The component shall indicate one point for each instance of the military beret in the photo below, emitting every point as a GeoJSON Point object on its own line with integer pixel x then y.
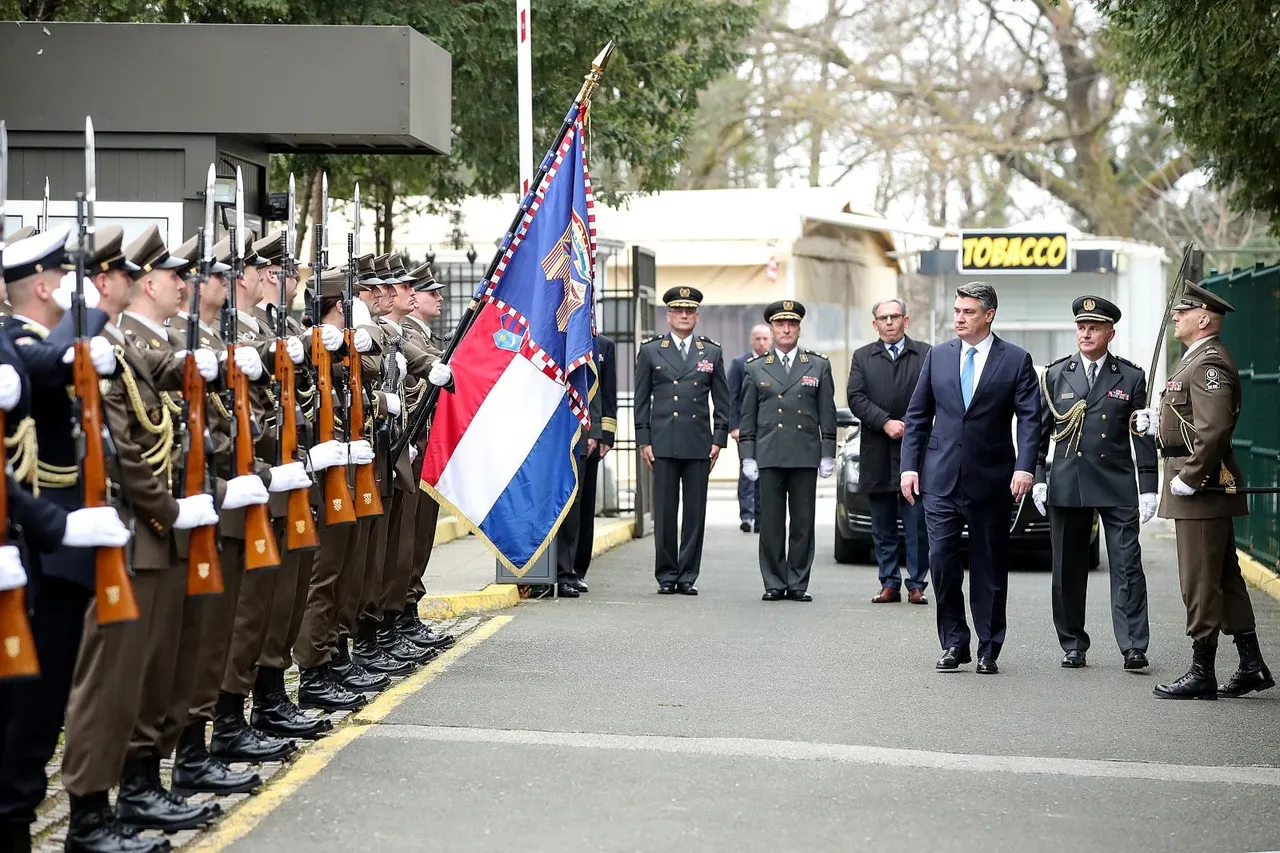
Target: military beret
{"type": "Point", "coordinates": [1095, 309]}
{"type": "Point", "coordinates": [37, 253]}
{"type": "Point", "coordinates": [683, 297]}
{"type": "Point", "coordinates": [1195, 296]}
{"type": "Point", "coordinates": [784, 309]}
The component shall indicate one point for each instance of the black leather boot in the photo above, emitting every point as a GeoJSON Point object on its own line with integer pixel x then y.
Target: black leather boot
{"type": "Point", "coordinates": [366, 653]}
{"type": "Point", "coordinates": [15, 836]}
{"type": "Point", "coordinates": [94, 829]}
{"type": "Point", "coordinates": [320, 689]}
{"type": "Point", "coordinates": [145, 804]}
{"type": "Point", "coordinates": [233, 740]}
{"type": "Point", "coordinates": [275, 713]}
{"type": "Point", "coordinates": [1200, 682]}
{"type": "Point", "coordinates": [196, 771]}
{"type": "Point", "coordinates": [390, 641]}
{"type": "Point", "coordinates": [354, 677]}
{"type": "Point", "coordinates": [1252, 673]}
{"type": "Point", "coordinates": [416, 631]}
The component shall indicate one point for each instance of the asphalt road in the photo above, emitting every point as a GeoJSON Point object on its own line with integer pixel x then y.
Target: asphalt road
{"type": "Point", "coordinates": [625, 721]}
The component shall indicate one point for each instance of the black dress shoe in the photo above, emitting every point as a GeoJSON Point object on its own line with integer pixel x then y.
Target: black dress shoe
{"type": "Point", "coordinates": [1135, 660]}
{"type": "Point", "coordinates": [94, 829]}
{"type": "Point", "coordinates": [196, 771]}
{"type": "Point", "coordinates": [666, 589]}
{"type": "Point", "coordinates": [274, 712]}
{"type": "Point", "coordinates": [581, 586]}
{"type": "Point", "coordinates": [987, 666]}
{"type": "Point", "coordinates": [686, 589]}
{"type": "Point", "coordinates": [567, 590]}
{"type": "Point", "coordinates": [745, 527]}
{"type": "Point", "coordinates": [798, 595]}
{"type": "Point", "coordinates": [773, 595]}
{"type": "Point", "coordinates": [1073, 659]}
{"type": "Point", "coordinates": [144, 804]}
{"type": "Point", "coordinates": [319, 688]}
{"type": "Point", "coordinates": [952, 658]}
{"type": "Point", "coordinates": [388, 639]}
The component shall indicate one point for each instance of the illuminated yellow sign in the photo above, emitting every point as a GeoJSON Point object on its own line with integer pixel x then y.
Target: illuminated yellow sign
{"type": "Point", "coordinates": [1008, 251]}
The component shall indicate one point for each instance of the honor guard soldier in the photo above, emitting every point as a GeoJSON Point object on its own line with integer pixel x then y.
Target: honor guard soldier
{"type": "Point", "coordinates": [787, 439]}
{"type": "Point", "coordinates": [1197, 417]}
{"type": "Point", "coordinates": [682, 422]}
{"type": "Point", "coordinates": [1089, 397]}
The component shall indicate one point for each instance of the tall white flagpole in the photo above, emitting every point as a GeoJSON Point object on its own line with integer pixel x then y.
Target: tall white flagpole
{"type": "Point", "coordinates": [524, 93]}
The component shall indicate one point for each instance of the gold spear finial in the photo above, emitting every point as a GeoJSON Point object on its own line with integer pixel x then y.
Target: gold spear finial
{"type": "Point", "coordinates": [592, 79]}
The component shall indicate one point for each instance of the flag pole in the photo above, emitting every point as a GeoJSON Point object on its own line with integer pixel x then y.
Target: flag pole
{"type": "Point", "coordinates": [524, 93]}
{"type": "Point", "coordinates": [590, 82]}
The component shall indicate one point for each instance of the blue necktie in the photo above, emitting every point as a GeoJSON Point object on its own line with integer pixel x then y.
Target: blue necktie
{"type": "Point", "coordinates": [966, 376]}
{"type": "Point", "coordinates": [893, 352]}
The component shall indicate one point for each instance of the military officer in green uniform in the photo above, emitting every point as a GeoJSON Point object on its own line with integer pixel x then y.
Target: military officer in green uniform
{"type": "Point", "coordinates": [787, 439]}
{"type": "Point", "coordinates": [1193, 428]}
{"type": "Point", "coordinates": [1089, 397]}
{"type": "Point", "coordinates": [682, 422]}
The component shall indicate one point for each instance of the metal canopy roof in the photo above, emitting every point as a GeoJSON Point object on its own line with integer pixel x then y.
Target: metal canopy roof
{"type": "Point", "coordinates": [288, 88]}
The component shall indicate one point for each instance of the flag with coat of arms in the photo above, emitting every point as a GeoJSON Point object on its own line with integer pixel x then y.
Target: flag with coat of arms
{"type": "Point", "coordinates": [501, 451]}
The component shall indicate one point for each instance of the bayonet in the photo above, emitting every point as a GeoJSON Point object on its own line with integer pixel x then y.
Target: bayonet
{"type": "Point", "coordinates": [90, 185]}
{"type": "Point", "coordinates": [4, 178]}
{"type": "Point", "coordinates": [44, 210]}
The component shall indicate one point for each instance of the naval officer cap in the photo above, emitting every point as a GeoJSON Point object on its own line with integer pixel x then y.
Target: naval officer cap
{"type": "Point", "coordinates": [1095, 309]}
{"type": "Point", "coordinates": [36, 254]}
{"type": "Point", "coordinates": [784, 309]}
{"type": "Point", "coordinates": [424, 280]}
{"type": "Point", "coordinates": [1195, 296]}
{"type": "Point", "coordinates": [683, 297]}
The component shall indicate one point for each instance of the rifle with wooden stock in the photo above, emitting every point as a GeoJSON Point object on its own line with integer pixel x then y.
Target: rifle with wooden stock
{"type": "Point", "coordinates": [368, 499]}
{"type": "Point", "coordinates": [18, 652]}
{"type": "Point", "coordinates": [260, 549]}
{"type": "Point", "coordinates": [115, 599]}
{"type": "Point", "coordinates": [300, 527]}
{"type": "Point", "coordinates": [204, 569]}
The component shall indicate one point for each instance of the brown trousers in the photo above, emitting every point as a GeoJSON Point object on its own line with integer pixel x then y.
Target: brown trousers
{"type": "Point", "coordinates": [219, 622]}
{"type": "Point", "coordinates": [195, 614]}
{"type": "Point", "coordinates": [379, 561]}
{"type": "Point", "coordinates": [106, 692]}
{"type": "Point", "coordinates": [398, 574]}
{"type": "Point", "coordinates": [288, 605]}
{"type": "Point", "coordinates": [355, 564]}
{"type": "Point", "coordinates": [427, 513]}
{"type": "Point", "coordinates": [172, 651]}
{"type": "Point", "coordinates": [253, 616]}
{"type": "Point", "coordinates": [318, 632]}
{"type": "Point", "coordinates": [1213, 589]}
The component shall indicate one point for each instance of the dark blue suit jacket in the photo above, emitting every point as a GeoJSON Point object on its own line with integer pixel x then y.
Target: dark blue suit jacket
{"type": "Point", "coordinates": [970, 452]}
{"type": "Point", "coordinates": [737, 372]}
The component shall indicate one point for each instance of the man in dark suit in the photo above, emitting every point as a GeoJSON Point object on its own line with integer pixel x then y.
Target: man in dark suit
{"type": "Point", "coordinates": [788, 434]}
{"type": "Point", "coordinates": [748, 492]}
{"type": "Point", "coordinates": [682, 421]}
{"type": "Point", "coordinates": [604, 431]}
{"type": "Point", "coordinates": [1088, 398]}
{"type": "Point", "coordinates": [881, 378]}
{"type": "Point", "coordinates": [956, 451]}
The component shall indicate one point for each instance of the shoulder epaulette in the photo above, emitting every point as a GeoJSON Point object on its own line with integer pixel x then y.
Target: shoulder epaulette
{"type": "Point", "coordinates": [35, 330]}
{"type": "Point", "coordinates": [821, 355]}
{"type": "Point", "coordinates": [1124, 360]}
{"type": "Point", "coordinates": [652, 338]}
{"type": "Point", "coordinates": [753, 358]}
{"type": "Point", "coordinates": [1057, 361]}
{"type": "Point", "coordinates": [708, 340]}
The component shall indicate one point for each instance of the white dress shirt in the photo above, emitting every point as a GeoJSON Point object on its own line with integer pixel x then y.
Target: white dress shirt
{"type": "Point", "coordinates": [1195, 345]}
{"type": "Point", "coordinates": [681, 343]}
{"type": "Point", "coordinates": [787, 357]}
{"type": "Point", "coordinates": [979, 358]}
{"type": "Point", "coordinates": [1085, 362]}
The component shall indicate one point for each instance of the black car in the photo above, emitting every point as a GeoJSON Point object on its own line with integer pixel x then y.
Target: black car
{"type": "Point", "coordinates": [1029, 533]}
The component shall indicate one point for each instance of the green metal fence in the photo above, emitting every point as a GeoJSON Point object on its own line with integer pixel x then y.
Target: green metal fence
{"type": "Point", "coordinates": [1253, 335]}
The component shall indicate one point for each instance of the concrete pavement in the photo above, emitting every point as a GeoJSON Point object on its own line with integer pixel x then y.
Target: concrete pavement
{"type": "Point", "coordinates": [628, 721]}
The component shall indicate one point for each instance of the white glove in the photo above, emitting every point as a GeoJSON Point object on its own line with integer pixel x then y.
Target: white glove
{"type": "Point", "coordinates": [95, 527]}
{"type": "Point", "coordinates": [10, 387]}
{"type": "Point", "coordinates": [750, 469]}
{"type": "Point", "coordinates": [1040, 496]}
{"type": "Point", "coordinates": [327, 454]}
{"type": "Point", "coordinates": [402, 365]}
{"type": "Point", "coordinates": [245, 490]}
{"type": "Point", "coordinates": [1180, 488]}
{"type": "Point", "coordinates": [413, 453]}
{"type": "Point", "coordinates": [330, 337]}
{"type": "Point", "coordinates": [297, 352]}
{"type": "Point", "coordinates": [67, 288]}
{"type": "Point", "coordinates": [249, 362]}
{"type": "Point", "coordinates": [361, 339]}
{"type": "Point", "coordinates": [393, 404]}
{"type": "Point", "coordinates": [103, 355]}
{"type": "Point", "coordinates": [12, 575]}
{"type": "Point", "coordinates": [206, 363]}
{"type": "Point", "coordinates": [286, 478]}
{"type": "Point", "coordinates": [360, 315]}
{"type": "Point", "coordinates": [361, 452]}
{"type": "Point", "coordinates": [440, 374]}
{"type": "Point", "coordinates": [195, 511]}
{"type": "Point", "coordinates": [826, 467]}
{"type": "Point", "coordinates": [1144, 421]}
{"type": "Point", "coordinates": [1147, 506]}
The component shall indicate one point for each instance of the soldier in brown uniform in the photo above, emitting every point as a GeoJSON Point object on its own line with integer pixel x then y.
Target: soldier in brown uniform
{"type": "Point", "coordinates": [125, 674]}
{"type": "Point", "coordinates": [1197, 416]}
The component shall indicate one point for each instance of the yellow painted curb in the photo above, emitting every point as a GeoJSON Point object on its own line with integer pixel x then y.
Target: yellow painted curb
{"type": "Point", "coordinates": [448, 529]}
{"type": "Point", "coordinates": [611, 535]}
{"type": "Point", "coordinates": [316, 757]}
{"type": "Point", "coordinates": [1259, 575]}
{"type": "Point", "coordinates": [451, 605]}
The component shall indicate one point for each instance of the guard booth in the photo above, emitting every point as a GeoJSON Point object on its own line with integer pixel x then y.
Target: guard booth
{"type": "Point", "coordinates": [1252, 333]}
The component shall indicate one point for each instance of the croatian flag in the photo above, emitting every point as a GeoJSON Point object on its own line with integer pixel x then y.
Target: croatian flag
{"type": "Point", "coordinates": [501, 448]}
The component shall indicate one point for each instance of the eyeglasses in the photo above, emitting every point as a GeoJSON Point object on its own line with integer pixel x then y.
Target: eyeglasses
{"type": "Point", "coordinates": [889, 318]}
